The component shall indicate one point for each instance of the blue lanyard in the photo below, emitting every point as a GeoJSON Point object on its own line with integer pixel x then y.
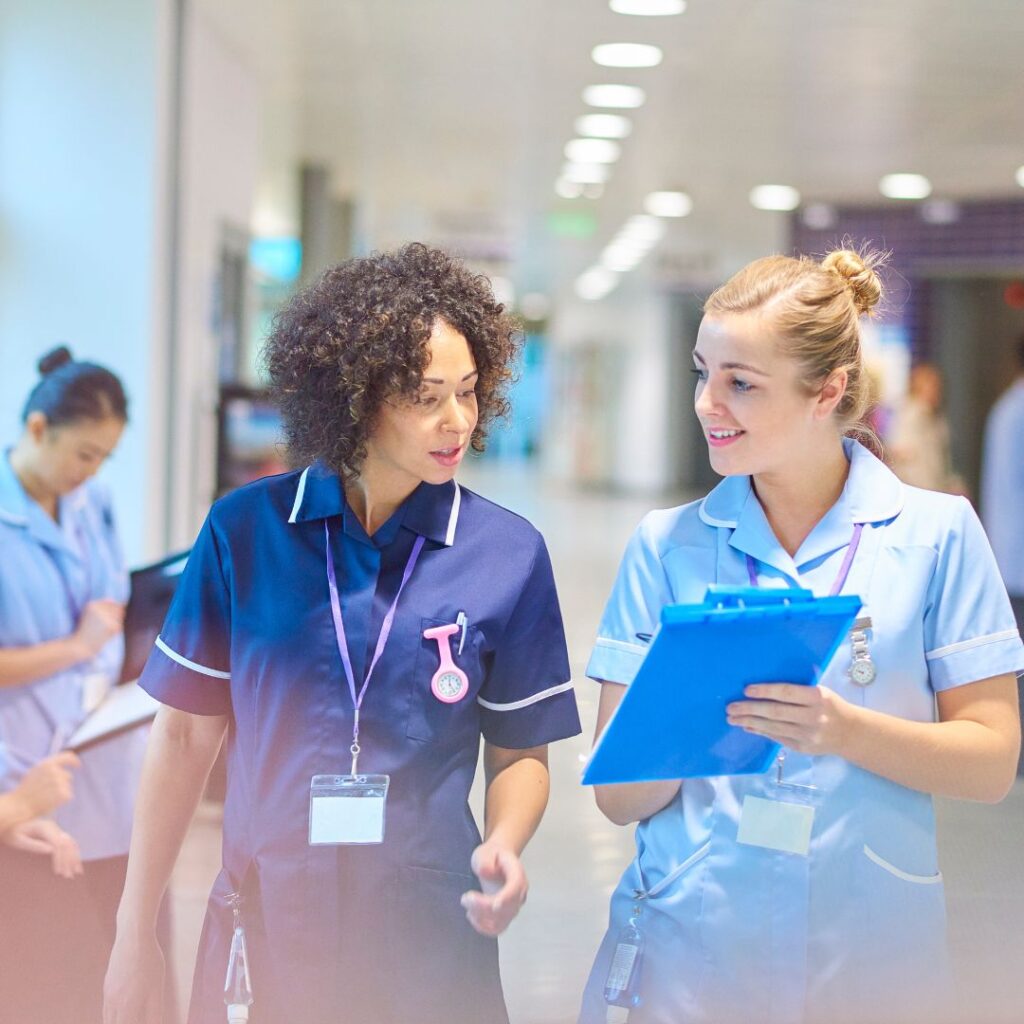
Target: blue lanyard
{"type": "Point", "coordinates": [844, 569]}
{"type": "Point", "coordinates": [382, 639]}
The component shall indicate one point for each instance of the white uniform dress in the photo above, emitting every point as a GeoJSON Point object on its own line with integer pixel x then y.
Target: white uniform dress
{"type": "Point", "coordinates": [854, 930]}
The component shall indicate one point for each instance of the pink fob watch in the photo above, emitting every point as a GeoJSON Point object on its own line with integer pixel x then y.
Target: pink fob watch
{"type": "Point", "coordinates": [450, 684]}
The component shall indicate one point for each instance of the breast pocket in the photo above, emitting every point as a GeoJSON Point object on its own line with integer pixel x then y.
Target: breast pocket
{"type": "Point", "coordinates": [431, 717]}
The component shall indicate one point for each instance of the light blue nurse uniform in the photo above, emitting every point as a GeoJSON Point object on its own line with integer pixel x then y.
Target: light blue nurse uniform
{"type": "Point", "coordinates": [48, 572]}
{"type": "Point", "coordinates": [853, 931]}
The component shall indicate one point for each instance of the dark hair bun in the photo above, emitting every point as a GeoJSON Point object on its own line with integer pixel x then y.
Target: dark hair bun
{"type": "Point", "coordinates": [54, 360]}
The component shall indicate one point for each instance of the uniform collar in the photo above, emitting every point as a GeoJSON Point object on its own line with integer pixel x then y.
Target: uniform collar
{"type": "Point", "coordinates": [432, 511]}
{"type": "Point", "coordinates": [17, 508]}
{"type": "Point", "coordinates": [872, 494]}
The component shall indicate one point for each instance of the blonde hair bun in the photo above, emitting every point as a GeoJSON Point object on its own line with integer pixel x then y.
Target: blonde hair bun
{"type": "Point", "coordinates": [858, 273]}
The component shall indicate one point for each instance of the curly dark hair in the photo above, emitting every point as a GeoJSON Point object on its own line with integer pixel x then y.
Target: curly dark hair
{"type": "Point", "coordinates": [358, 336]}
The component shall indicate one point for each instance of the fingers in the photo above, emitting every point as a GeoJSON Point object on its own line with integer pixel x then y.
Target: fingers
{"type": "Point", "coordinates": [66, 761]}
{"type": "Point", "coordinates": [787, 693]}
{"type": "Point", "coordinates": [744, 712]}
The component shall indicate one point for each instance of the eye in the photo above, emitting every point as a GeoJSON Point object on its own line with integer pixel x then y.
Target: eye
{"type": "Point", "coordinates": [471, 393]}
{"type": "Point", "coordinates": [426, 399]}
{"type": "Point", "coordinates": [741, 386]}
{"type": "Point", "coordinates": [701, 374]}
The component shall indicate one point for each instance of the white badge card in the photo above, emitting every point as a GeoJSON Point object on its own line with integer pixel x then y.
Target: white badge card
{"type": "Point", "coordinates": [347, 809]}
{"type": "Point", "coordinates": [776, 825]}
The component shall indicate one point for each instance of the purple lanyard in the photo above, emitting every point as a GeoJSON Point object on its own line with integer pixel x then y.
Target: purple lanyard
{"type": "Point", "coordinates": [844, 569]}
{"type": "Point", "coordinates": [75, 607]}
{"type": "Point", "coordinates": [382, 640]}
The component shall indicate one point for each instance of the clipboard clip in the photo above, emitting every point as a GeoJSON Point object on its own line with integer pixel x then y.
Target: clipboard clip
{"type": "Point", "coordinates": [722, 596]}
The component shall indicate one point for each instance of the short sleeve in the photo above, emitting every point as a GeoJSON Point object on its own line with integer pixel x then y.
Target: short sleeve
{"type": "Point", "coordinates": [190, 666]}
{"type": "Point", "coordinates": [969, 627]}
{"type": "Point", "coordinates": [633, 611]}
{"type": "Point", "coordinates": [527, 698]}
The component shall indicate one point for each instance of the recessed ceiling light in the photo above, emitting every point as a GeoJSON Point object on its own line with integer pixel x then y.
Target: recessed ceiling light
{"type": "Point", "coordinates": [905, 186]}
{"type": "Point", "coordinates": [774, 197]}
{"type": "Point", "coordinates": [819, 216]}
{"type": "Point", "coordinates": [648, 8]}
{"type": "Point", "coordinates": [626, 55]}
{"type": "Point", "coordinates": [668, 204]}
{"type": "Point", "coordinates": [586, 174]}
{"type": "Point", "coordinates": [596, 283]}
{"type": "Point", "coordinates": [568, 189]}
{"type": "Point", "coordinates": [592, 151]}
{"type": "Point", "coordinates": [940, 211]}
{"type": "Point", "coordinates": [1020, 176]}
{"type": "Point", "coordinates": [643, 227]}
{"type": "Point", "coordinates": [603, 126]}
{"type": "Point", "coordinates": [615, 97]}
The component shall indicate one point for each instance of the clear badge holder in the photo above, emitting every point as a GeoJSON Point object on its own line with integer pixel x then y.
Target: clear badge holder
{"type": "Point", "coordinates": [347, 810]}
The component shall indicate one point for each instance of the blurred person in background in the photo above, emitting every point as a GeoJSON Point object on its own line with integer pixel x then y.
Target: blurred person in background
{"type": "Point", "coordinates": [1002, 490]}
{"type": "Point", "coordinates": [367, 613]}
{"type": "Point", "coordinates": [63, 587]}
{"type": "Point", "coordinates": [917, 440]}
{"type": "Point", "coordinates": [831, 907]}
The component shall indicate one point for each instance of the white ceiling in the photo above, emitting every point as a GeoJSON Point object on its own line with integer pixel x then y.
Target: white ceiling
{"type": "Point", "coordinates": [447, 118]}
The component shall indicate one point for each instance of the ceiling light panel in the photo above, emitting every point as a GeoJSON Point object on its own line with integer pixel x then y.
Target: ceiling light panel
{"type": "Point", "coordinates": [774, 197]}
{"type": "Point", "coordinates": [614, 97]}
{"type": "Point", "coordinates": [626, 55]}
{"type": "Point", "coordinates": [648, 8]}
{"type": "Point", "coordinates": [596, 283]}
{"type": "Point", "coordinates": [603, 126]}
{"type": "Point", "coordinates": [592, 151]}
{"type": "Point", "coordinates": [905, 186]}
{"type": "Point", "coordinates": [1020, 176]}
{"type": "Point", "coordinates": [668, 204]}
{"type": "Point", "coordinates": [586, 174]}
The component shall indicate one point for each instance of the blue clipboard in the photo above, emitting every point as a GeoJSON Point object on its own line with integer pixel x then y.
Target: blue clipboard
{"type": "Point", "coordinates": [671, 723]}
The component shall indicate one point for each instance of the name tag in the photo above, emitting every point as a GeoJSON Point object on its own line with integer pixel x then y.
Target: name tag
{"type": "Point", "coordinates": [347, 809]}
{"type": "Point", "coordinates": [776, 825]}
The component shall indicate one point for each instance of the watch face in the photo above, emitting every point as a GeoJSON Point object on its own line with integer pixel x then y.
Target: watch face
{"type": "Point", "coordinates": [449, 685]}
{"type": "Point", "coordinates": [862, 671]}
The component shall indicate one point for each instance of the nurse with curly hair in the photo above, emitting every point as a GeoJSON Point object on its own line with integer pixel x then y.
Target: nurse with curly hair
{"type": "Point", "coordinates": [350, 630]}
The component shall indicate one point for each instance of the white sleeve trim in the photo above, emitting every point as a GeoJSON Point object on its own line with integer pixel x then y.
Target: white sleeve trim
{"type": "Point", "coordinates": [526, 701]}
{"type": "Point", "coordinates": [300, 491]}
{"type": "Point", "coordinates": [202, 669]}
{"type": "Point", "coordinates": [621, 645]}
{"type": "Point", "coordinates": [966, 645]}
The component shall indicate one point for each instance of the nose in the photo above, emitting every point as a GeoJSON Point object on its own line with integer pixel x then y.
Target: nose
{"type": "Point", "coordinates": [704, 403]}
{"type": "Point", "coordinates": [455, 420]}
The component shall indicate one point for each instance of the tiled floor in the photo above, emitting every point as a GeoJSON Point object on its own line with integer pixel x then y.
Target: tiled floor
{"type": "Point", "coordinates": [577, 856]}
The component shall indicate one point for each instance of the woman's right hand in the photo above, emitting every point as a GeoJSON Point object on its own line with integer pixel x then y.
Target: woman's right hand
{"type": "Point", "coordinates": [47, 785]}
{"type": "Point", "coordinates": [133, 989]}
{"type": "Point", "coordinates": [101, 620]}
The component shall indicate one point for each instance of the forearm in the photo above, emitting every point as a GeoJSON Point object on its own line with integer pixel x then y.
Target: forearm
{"type": "Point", "coordinates": [180, 754]}
{"type": "Point", "coordinates": [629, 802]}
{"type": "Point", "coordinates": [13, 811]}
{"type": "Point", "coordinates": [963, 759]}
{"type": "Point", "coordinates": [21, 665]}
{"type": "Point", "coordinates": [517, 794]}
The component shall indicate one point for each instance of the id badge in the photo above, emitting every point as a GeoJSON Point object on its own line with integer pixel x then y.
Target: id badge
{"type": "Point", "coordinates": [776, 825]}
{"type": "Point", "coordinates": [347, 809]}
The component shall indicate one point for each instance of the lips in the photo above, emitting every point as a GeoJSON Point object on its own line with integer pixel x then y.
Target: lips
{"type": "Point", "coordinates": [448, 457]}
{"type": "Point", "coordinates": [720, 437]}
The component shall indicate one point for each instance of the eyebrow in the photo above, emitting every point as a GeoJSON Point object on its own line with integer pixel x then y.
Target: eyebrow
{"type": "Point", "coordinates": [438, 380]}
{"type": "Point", "coordinates": [733, 366]}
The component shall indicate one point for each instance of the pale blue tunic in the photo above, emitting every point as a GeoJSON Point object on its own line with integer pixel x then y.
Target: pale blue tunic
{"type": "Point", "coordinates": [48, 572]}
{"type": "Point", "coordinates": [854, 931]}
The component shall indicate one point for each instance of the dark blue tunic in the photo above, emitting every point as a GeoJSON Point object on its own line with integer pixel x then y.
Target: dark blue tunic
{"type": "Point", "coordinates": [364, 934]}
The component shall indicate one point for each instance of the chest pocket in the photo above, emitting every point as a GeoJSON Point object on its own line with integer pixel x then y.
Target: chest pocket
{"type": "Point", "coordinates": [429, 717]}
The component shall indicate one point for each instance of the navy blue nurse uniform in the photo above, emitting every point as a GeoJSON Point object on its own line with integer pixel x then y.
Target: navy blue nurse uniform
{"type": "Point", "coordinates": [371, 934]}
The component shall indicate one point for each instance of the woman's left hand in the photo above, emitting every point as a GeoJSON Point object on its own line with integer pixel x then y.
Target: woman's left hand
{"type": "Point", "coordinates": [806, 719]}
{"type": "Point", "coordinates": [45, 837]}
{"type": "Point", "coordinates": [504, 885]}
